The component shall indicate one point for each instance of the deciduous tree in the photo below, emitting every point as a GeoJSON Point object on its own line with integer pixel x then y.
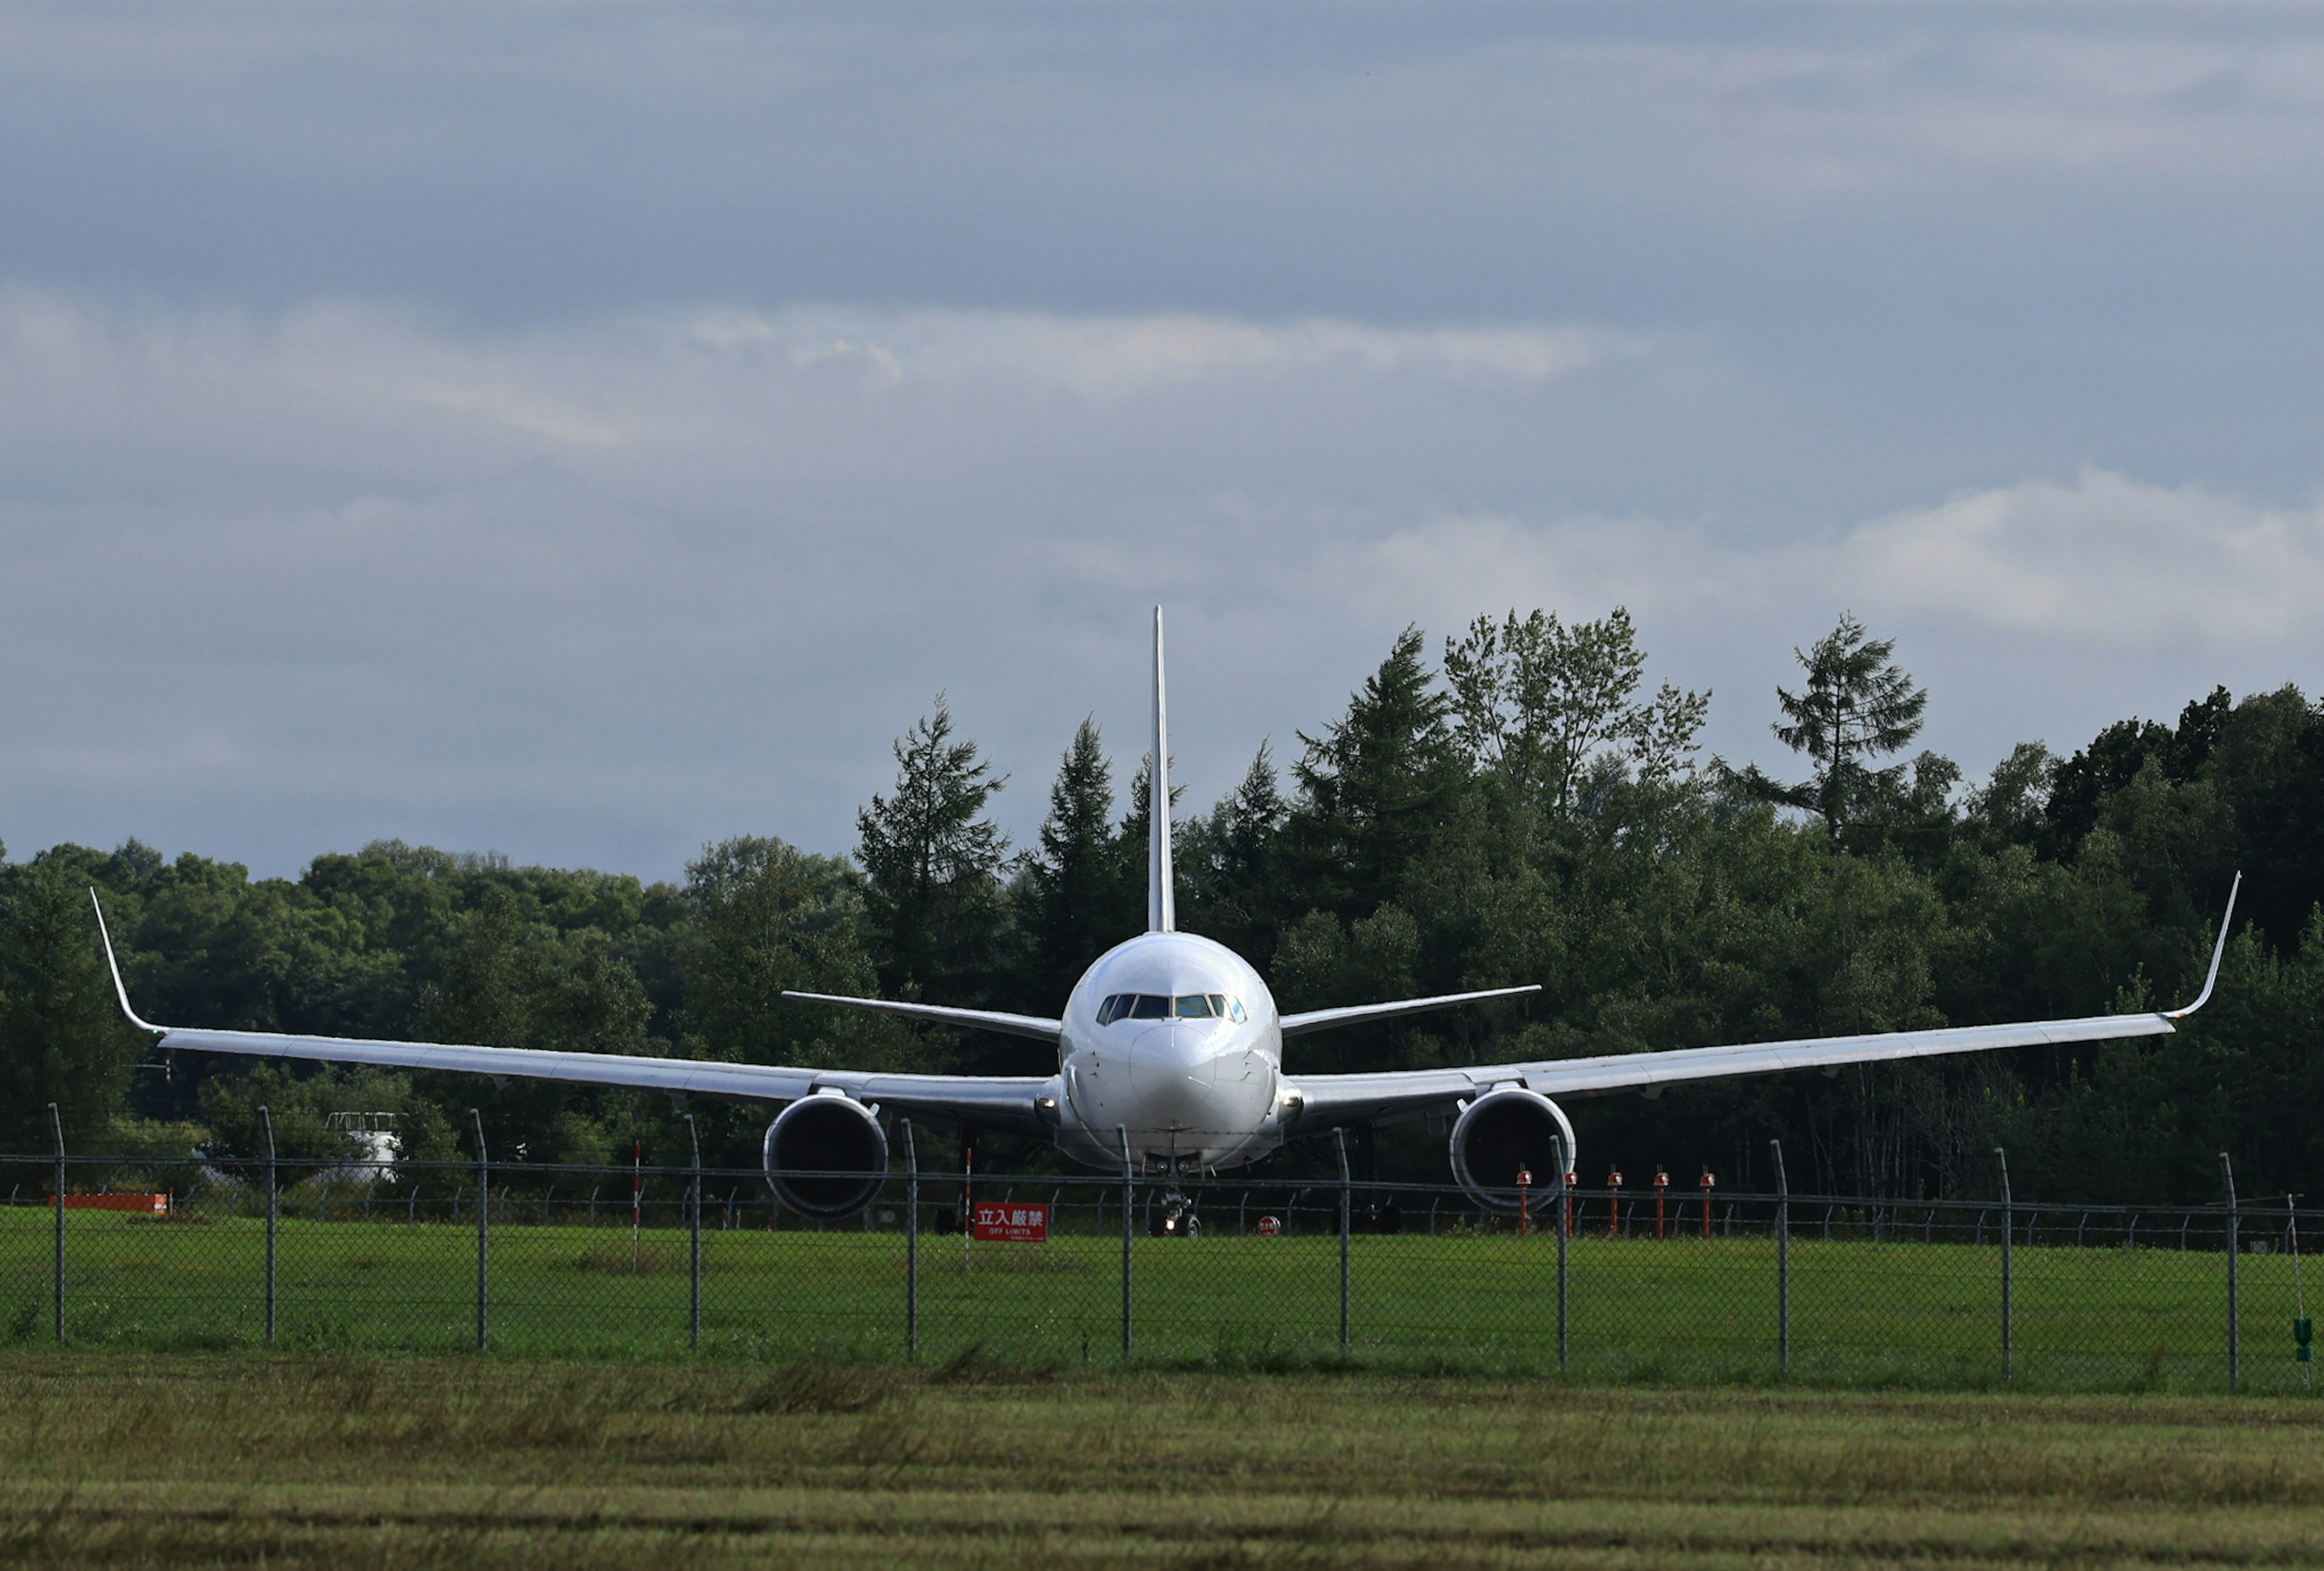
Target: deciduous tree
{"type": "Point", "coordinates": [62, 1038]}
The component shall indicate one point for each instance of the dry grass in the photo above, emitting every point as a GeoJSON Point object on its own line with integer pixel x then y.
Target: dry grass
{"type": "Point", "coordinates": [145, 1460]}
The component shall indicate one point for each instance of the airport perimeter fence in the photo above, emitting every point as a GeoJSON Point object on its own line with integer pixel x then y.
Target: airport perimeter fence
{"type": "Point", "coordinates": [1637, 1283]}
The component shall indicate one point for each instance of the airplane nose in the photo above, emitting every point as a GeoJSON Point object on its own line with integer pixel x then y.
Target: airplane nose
{"type": "Point", "coordinates": [1165, 1054]}
{"type": "Point", "coordinates": [1172, 1071]}
{"type": "Point", "coordinates": [1183, 1081]}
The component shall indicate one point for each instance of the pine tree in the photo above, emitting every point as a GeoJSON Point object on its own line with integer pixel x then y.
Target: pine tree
{"type": "Point", "coordinates": [1857, 704]}
{"type": "Point", "coordinates": [934, 862]}
{"type": "Point", "coordinates": [1226, 862]}
{"type": "Point", "coordinates": [1074, 879]}
{"type": "Point", "coordinates": [1377, 786]}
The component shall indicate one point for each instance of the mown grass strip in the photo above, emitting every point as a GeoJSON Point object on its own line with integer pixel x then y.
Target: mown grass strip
{"type": "Point", "coordinates": [131, 1460]}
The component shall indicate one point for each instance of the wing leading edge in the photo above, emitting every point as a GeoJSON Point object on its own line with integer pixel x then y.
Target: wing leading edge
{"type": "Point", "coordinates": [1331, 1099]}
{"type": "Point", "coordinates": [1005, 1102]}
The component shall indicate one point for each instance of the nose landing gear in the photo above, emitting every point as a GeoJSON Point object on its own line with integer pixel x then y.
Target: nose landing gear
{"type": "Point", "coordinates": [1175, 1218]}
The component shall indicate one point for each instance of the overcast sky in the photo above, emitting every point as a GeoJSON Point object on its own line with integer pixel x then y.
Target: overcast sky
{"type": "Point", "coordinates": [587, 430]}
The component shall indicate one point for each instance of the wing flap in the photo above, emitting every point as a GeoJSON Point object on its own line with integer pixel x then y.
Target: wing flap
{"type": "Point", "coordinates": [1008, 1100]}
{"type": "Point", "coordinates": [1639, 1071]}
{"type": "Point", "coordinates": [690, 1076]}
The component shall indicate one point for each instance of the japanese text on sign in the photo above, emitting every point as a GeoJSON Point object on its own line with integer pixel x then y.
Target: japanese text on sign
{"type": "Point", "coordinates": [1001, 1222]}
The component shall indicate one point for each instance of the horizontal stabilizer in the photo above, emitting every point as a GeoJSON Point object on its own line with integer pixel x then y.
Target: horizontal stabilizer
{"type": "Point", "coordinates": [991, 1020]}
{"type": "Point", "coordinates": [1318, 1020]}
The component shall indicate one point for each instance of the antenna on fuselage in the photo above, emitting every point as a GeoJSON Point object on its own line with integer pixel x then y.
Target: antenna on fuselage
{"type": "Point", "coordinates": [1161, 911]}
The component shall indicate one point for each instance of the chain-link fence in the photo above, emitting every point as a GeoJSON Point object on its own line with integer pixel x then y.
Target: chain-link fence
{"type": "Point", "coordinates": [1649, 1284]}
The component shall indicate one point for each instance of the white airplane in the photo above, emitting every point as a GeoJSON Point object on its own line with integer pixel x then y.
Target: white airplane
{"type": "Point", "coordinates": [1169, 1060]}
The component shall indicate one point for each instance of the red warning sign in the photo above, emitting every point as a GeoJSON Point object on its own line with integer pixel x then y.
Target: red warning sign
{"type": "Point", "coordinates": [1010, 1222]}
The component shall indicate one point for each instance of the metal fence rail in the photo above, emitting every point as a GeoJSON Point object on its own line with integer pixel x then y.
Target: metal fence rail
{"type": "Point", "coordinates": [659, 1261]}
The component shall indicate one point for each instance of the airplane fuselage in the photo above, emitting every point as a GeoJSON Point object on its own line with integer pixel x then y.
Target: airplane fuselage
{"type": "Point", "coordinates": [1171, 1044]}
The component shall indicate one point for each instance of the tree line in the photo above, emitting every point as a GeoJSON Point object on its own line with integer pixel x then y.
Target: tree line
{"type": "Point", "coordinates": [1509, 804]}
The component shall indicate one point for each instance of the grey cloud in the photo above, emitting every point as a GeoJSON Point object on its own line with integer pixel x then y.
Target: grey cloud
{"type": "Point", "coordinates": [598, 594]}
{"type": "Point", "coordinates": [434, 419]}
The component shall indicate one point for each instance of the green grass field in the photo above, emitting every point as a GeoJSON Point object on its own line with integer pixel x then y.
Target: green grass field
{"type": "Point", "coordinates": [194, 1460]}
{"type": "Point", "coordinates": [1898, 1315]}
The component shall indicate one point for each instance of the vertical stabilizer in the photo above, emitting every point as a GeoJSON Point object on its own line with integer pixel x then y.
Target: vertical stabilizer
{"type": "Point", "coordinates": [1161, 910]}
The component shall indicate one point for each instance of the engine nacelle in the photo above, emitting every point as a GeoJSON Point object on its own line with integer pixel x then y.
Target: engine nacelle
{"type": "Point", "coordinates": [825, 1156]}
{"type": "Point", "coordinates": [1504, 1132]}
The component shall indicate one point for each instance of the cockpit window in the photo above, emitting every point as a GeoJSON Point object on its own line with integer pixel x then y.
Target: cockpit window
{"type": "Point", "coordinates": [1163, 1006]}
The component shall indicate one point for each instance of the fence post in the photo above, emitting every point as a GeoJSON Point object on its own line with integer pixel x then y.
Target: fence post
{"type": "Point", "coordinates": [2009, 1215]}
{"type": "Point", "coordinates": [273, 1207]}
{"type": "Point", "coordinates": [912, 1247]}
{"type": "Point", "coordinates": [483, 1216]}
{"type": "Point", "coordinates": [2303, 1330]}
{"type": "Point", "coordinates": [1782, 1262]}
{"type": "Point", "coordinates": [1128, 1177]}
{"type": "Point", "coordinates": [1347, 1200]}
{"type": "Point", "coordinates": [693, 1267]}
{"type": "Point", "coordinates": [57, 1129]}
{"type": "Point", "coordinates": [1565, 1235]}
{"type": "Point", "coordinates": [2235, 1317]}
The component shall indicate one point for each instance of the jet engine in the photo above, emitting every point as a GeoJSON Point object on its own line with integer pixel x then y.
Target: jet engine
{"type": "Point", "coordinates": [1504, 1132]}
{"type": "Point", "coordinates": [825, 1156]}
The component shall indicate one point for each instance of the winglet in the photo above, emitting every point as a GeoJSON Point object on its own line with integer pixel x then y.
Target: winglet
{"type": "Point", "coordinates": [1161, 909]}
{"type": "Point", "coordinates": [118, 990]}
{"type": "Point", "coordinates": [2226, 925]}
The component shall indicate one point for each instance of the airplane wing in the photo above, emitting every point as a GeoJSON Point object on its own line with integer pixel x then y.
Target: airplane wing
{"type": "Point", "coordinates": [1336, 1099]}
{"type": "Point", "coordinates": [989, 1101]}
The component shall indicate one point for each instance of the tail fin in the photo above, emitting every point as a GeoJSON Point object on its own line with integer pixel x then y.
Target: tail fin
{"type": "Point", "coordinates": [1161, 910]}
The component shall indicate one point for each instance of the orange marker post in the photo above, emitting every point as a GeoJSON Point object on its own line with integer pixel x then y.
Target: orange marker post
{"type": "Point", "coordinates": [1709, 1183]}
{"type": "Point", "coordinates": [1569, 1202]}
{"type": "Point", "coordinates": [1614, 1218]}
{"type": "Point", "coordinates": [1525, 1188]}
{"type": "Point", "coordinates": [1662, 1187]}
